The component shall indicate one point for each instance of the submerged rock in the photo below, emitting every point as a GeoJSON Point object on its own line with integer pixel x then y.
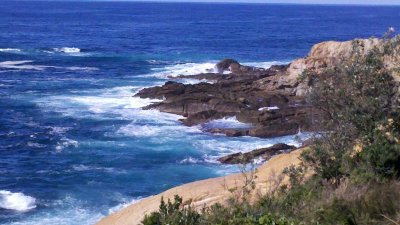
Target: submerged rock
{"type": "Point", "coordinates": [264, 153]}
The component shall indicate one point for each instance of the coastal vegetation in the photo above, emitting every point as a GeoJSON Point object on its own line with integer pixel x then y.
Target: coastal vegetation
{"type": "Point", "coordinates": [350, 172]}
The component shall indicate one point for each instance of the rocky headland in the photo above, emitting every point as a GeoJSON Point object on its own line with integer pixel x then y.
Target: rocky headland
{"type": "Point", "coordinates": [273, 101]}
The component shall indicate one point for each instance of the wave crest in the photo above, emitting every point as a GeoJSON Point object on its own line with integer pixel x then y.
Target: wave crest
{"type": "Point", "coordinates": [10, 50]}
{"type": "Point", "coordinates": [67, 50]}
{"type": "Point", "coordinates": [179, 68]}
{"type": "Point", "coordinates": [16, 201]}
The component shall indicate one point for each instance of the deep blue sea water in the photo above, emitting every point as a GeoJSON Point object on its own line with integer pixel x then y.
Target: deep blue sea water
{"type": "Point", "coordinates": [74, 143]}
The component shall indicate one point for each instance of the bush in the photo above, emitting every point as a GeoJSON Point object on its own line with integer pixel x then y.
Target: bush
{"type": "Point", "coordinates": [172, 213]}
{"type": "Point", "coordinates": [356, 99]}
{"type": "Point", "coordinates": [379, 159]}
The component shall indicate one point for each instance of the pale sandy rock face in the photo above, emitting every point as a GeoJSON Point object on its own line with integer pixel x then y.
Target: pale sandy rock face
{"type": "Point", "coordinates": [331, 53]}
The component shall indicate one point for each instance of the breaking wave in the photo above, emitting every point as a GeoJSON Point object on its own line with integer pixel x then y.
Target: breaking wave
{"type": "Point", "coordinates": [27, 65]}
{"type": "Point", "coordinates": [12, 50]}
{"type": "Point", "coordinates": [16, 201]}
{"type": "Point", "coordinates": [197, 68]}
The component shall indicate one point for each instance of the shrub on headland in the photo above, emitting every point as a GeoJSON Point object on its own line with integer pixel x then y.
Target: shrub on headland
{"type": "Point", "coordinates": [355, 163]}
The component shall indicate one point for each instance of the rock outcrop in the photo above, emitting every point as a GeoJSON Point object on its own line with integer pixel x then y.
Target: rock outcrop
{"type": "Point", "coordinates": [268, 107]}
{"type": "Point", "coordinates": [331, 53]}
{"type": "Point", "coordinates": [234, 67]}
{"type": "Point", "coordinates": [271, 100]}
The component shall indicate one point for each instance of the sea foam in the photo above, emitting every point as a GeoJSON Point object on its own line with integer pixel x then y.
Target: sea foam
{"type": "Point", "coordinates": [16, 201]}
{"type": "Point", "coordinates": [21, 65]}
{"type": "Point", "coordinates": [204, 67]}
{"type": "Point", "coordinates": [27, 65]}
{"type": "Point", "coordinates": [184, 69]}
{"type": "Point", "coordinates": [227, 122]}
{"type": "Point", "coordinates": [125, 204]}
{"type": "Point", "coordinates": [67, 50]}
{"type": "Point", "coordinates": [162, 130]}
{"type": "Point", "coordinates": [14, 50]}
{"type": "Point", "coordinates": [65, 211]}
{"type": "Point", "coordinates": [84, 168]}
{"type": "Point", "coordinates": [66, 143]}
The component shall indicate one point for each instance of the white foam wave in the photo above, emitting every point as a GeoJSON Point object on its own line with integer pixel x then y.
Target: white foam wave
{"type": "Point", "coordinates": [125, 204]}
{"type": "Point", "coordinates": [27, 65]}
{"type": "Point", "coordinates": [190, 160]}
{"type": "Point", "coordinates": [163, 130]}
{"type": "Point", "coordinates": [16, 201]}
{"type": "Point", "coordinates": [83, 168]}
{"type": "Point", "coordinates": [35, 145]}
{"type": "Point", "coordinates": [194, 81]}
{"type": "Point", "coordinates": [10, 50]}
{"type": "Point", "coordinates": [227, 122]}
{"type": "Point", "coordinates": [139, 131]}
{"type": "Point", "coordinates": [84, 68]}
{"type": "Point", "coordinates": [198, 68]}
{"type": "Point", "coordinates": [113, 103]}
{"type": "Point", "coordinates": [66, 143]}
{"type": "Point", "coordinates": [21, 64]}
{"type": "Point", "coordinates": [184, 69]}
{"type": "Point", "coordinates": [58, 130]}
{"type": "Point", "coordinates": [67, 50]}
{"type": "Point", "coordinates": [102, 104]}
{"type": "Point", "coordinates": [160, 62]}
{"type": "Point", "coordinates": [65, 211]}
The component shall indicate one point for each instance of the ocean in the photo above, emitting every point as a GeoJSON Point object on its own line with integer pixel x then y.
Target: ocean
{"type": "Point", "coordinates": [75, 144]}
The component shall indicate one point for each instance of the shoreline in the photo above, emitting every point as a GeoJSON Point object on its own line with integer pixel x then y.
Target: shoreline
{"type": "Point", "coordinates": [280, 86]}
{"type": "Point", "coordinates": [199, 191]}
{"type": "Point", "coordinates": [209, 191]}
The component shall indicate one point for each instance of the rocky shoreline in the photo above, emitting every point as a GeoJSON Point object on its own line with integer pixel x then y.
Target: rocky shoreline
{"type": "Point", "coordinates": [255, 96]}
{"type": "Point", "coordinates": [252, 95]}
{"type": "Point", "coordinates": [273, 101]}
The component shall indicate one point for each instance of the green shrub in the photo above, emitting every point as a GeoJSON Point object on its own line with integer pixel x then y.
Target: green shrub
{"type": "Point", "coordinates": [356, 99]}
{"type": "Point", "coordinates": [172, 213]}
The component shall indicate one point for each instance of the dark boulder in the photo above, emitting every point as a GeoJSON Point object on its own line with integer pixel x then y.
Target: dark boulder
{"type": "Point", "coordinates": [264, 153]}
{"type": "Point", "coordinates": [229, 132]}
{"type": "Point", "coordinates": [227, 65]}
{"type": "Point", "coordinates": [275, 130]}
